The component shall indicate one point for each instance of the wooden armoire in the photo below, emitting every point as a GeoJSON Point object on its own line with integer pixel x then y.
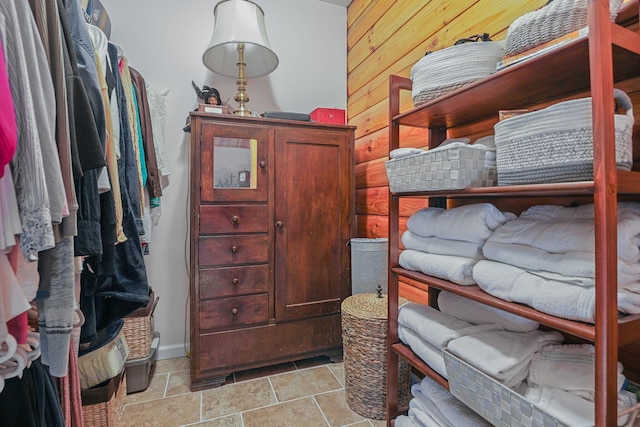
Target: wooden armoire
{"type": "Point", "coordinates": [272, 212]}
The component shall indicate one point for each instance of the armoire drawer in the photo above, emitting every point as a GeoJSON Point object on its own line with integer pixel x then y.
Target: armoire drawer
{"type": "Point", "coordinates": [233, 281]}
{"type": "Point", "coordinates": [227, 219]}
{"type": "Point", "coordinates": [234, 311]}
{"type": "Point", "coordinates": [232, 249]}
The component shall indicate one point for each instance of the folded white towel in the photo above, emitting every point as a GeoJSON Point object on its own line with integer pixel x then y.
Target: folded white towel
{"type": "Point", "coordinates": [399, 153]}
{"type": "Point", "coordinates": [435, 327]}
{"type": "Point", "coordinates": [443, 407]}
{"type": "Point", "coordinates": [436, 245]}
{"type": "Point", "coordinates": [430, 354]}
{"type": "Point", "coordinates": [478, 313]}
{"type": "Point", "coordinates": [420, 418]}
{"type": "Point", "coordinates": [452, 268]}
{"type": "Point", "coordinates": [569, 367]}
{"type": "Point", "coordinates": [404, 421]}
{"type": "Point", "coordinates": [471, 223]}
{"type": "Point", "coordinates": [558, 229]}
{"type": "Point", "coordinates": [503, 355]}
{"type": "Point", "coordinates": [553, 297]}
{"type": "Point", "coordinates": [570, 264]}
{"type": "Point", "coordinates": [571, 409]}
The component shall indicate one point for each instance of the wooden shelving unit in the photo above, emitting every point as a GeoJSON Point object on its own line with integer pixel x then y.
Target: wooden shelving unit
{"type": "Point", "coordinates": [609, 54]}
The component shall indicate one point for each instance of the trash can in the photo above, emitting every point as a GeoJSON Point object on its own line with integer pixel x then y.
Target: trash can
{"type": "Point", "coordinates": [364, 342]}
{"type": "Point", "coordinates": [369, 261]}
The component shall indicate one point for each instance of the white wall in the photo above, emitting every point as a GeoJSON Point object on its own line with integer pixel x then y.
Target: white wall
{"type": "Point", "coordinates": [164, 41]}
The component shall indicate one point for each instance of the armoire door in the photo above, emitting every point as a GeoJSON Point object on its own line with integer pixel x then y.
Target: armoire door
{"type": "Point", "coordinates": [233, 162]}
{"type": "Point", "coordinates": [313, 198]}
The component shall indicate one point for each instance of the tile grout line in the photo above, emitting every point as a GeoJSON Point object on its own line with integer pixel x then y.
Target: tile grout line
{"type": "Point", "coordinates": [320, 409]}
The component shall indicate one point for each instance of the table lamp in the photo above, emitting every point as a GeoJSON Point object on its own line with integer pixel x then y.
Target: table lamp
{"type": "Point", "coordinates": [239, 46]}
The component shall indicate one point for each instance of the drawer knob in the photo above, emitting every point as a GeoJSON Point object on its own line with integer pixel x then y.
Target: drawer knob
{"type": "Point", "coordinates": [234, 311]}
{"type": "Point", "coordinates": [263, 164]}
{"type": "Point", "coordinates": [279, 224]}
{"type": "Point", "coordinates": [235, 219]}
{"type": "Point", "coordinates": [235, 280]}
{"type": "Point", "coordinates": [234, 249]}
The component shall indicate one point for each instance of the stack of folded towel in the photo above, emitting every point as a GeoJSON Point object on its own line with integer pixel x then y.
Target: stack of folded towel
{"type": "Point", "coordinates": [546, 259]}
{"type": "Point", "coordinates": [562, 382]}
{"type": "Point", "coordinates": [433, 406]}
{"type": "Point", "coordinates": [447, 243]}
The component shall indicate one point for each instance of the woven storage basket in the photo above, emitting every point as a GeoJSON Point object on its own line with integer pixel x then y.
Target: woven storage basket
{"type": "Point", "coordinates": [502, 406]}
{"type": "Point", "coordinates": [448, 69]}
{"type": "Point", "coordinates": [102, 406]}
{"type": "Point", "coordinates": [555, 144]}
{"type": "Point", "coordinates": [364, 339]}
{"type": "Point", "coordinates": [139, 328]}
{"type": "Point", "coordinates": [451, 168]}
{"type": "Point", "coordinates": [554, 20]}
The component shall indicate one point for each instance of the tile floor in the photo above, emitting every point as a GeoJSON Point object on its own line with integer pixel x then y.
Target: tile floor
{"type": "Point", "coordinates": [307, 393]}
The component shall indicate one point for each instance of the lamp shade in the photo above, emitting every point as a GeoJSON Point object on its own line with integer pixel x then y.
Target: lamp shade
{"type": "Point", "coordinates": [239, 21]}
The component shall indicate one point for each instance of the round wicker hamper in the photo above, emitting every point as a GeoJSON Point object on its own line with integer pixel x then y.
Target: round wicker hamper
{"type": "Point", "coordinates": [364, 339]}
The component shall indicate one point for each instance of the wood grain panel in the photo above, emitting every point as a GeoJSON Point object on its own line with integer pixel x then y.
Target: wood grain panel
{"type": "Point", "coordinates": [372, 201]}
{"type": "Point", "coordinates": [376, 144]}
{"type": "Point", "coordinates": [371, 174]}
{"type": "Point", "coordinates": [364, 25]}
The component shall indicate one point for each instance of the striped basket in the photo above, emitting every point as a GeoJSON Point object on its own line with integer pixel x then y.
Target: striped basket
{"type": "Point", "coordinates": [445, 70]}
{"type": "Point", "coordinates": [554, 20]}
{"type": "Point", "coordinates": [555, 144]}
{"type": "Point", "coordinates": [139, 328]}
{"type": "Point", "coordinates": [103, 405]}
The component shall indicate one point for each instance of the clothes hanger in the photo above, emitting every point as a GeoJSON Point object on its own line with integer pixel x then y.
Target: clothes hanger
{"type": "Point", "coordinates": [15, 365]}
{"type": "Point", "coordinates": [7, 348]}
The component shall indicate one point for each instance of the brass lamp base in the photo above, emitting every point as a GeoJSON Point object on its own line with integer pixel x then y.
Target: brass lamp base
{"type": "Point", "coordinates": [242, 97]}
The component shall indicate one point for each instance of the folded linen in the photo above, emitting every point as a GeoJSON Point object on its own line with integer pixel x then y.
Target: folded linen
{"type": "Point", "coordinates": [559, 229]}
{"type": "Point", "coordinates": [554, 297]}
{"type": "Point", "coordinates": [452, 268]}
{"type": "Point", "coordinates": [436, 245]}
{"type": "Point", "coordinates": [474, 312]}
{"type": "Point", "coordinates": [569, 367]}
{"type": "Point", "coordinates": [471, 223]}
{"type": "Point", "coordinates": [442, 406]}
{"type": "Point", "coordinates": [503, 355]}
{"type": "Point", "coordinates": [570, 264]}
{"type": "Point", "coordinates": [435, 327]}
{"type": "Point", "coordinates": [420, 418]}
{"type": "Point", "coordinates": [404, 421]}
{"type": "Point", "coordinates": [429, 353]}
{"type": "Point", "coordinates": [571, 409]}
{"type": "Point", "coordinates": [399, 153]}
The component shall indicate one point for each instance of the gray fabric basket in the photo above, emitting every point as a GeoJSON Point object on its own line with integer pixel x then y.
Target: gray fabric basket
{"type": "Point", "coordinates": [554, 20]}
{"type": "Point", "coordinates": [555, 144]}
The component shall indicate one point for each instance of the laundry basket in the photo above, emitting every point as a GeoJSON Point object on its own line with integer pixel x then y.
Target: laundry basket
{"type": "Point", "coordinates": [364, 340]}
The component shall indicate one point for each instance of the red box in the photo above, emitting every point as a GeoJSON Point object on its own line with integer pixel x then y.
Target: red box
{"type": "Point", "coordinates": [331, 116]}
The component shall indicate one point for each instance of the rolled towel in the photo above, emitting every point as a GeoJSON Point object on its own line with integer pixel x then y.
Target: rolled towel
{"type": "Point", "coordinates": [559, 229]}
{"type": "Point", "coordinates": [436, 245]}
{"type": "Point", "coordinates": [404, 421]}
{"type": "Point", "coordinates": [435, 327]}
{"type": "Point", "coordinates": [443, 407]}
{"type": "Point", "coordinates": [569, 367]}
{"type": "Point", "coordinates": [503, 355]}
{"type": "Point", "coordinates": [455, 269]}
{"type": "Point", "coordinates": [419, 417]}
{"type": "Point", "coordinates": [430, 354]}
{"type": "Point", "coordinates": [471, 223]}
{"type": "Point", "coordinates": [478, 313]}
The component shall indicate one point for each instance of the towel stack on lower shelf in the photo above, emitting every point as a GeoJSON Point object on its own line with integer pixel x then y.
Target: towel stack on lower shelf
{"type": "Point", "coordinates": [546, 259]}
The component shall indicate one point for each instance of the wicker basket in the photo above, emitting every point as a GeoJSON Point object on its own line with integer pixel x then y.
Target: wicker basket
{"type": "Point", "coordinates": [448, 69]}
{"type": "Point", "coordinates": [139, 328]}
{"type": "Point", "coordinates": [555, 144]}
{"type": "Point", "coordinates": [451, 168]}
{"type": "Point", "coordinates": [103, 405]}
{"type": "Point", "coordinates": [364, 339]}
{"type": "Point", "coordinates": [554, 20]}
{"type": "Point", "coordinates": [499, 404]}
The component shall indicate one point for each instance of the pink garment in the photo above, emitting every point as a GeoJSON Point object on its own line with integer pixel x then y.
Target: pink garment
{"type": "Point", "coordinates": [70, 394]}
{"type": "Point", "coordinates": [18, 327]}
{"type": "Point", "coordinates": [8, 126]}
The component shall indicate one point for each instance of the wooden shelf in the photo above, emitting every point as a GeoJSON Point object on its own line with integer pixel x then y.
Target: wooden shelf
{"type": "Point", "coordinates": [419, 364]}
{"type": "Point", "coordinates": [628, 326]}
{"type": "Point", "coordinates": [504, 89]}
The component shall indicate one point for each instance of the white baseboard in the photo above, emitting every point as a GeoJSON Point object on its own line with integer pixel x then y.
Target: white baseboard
{"type": "Point", "coordinates": [171, 351]}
